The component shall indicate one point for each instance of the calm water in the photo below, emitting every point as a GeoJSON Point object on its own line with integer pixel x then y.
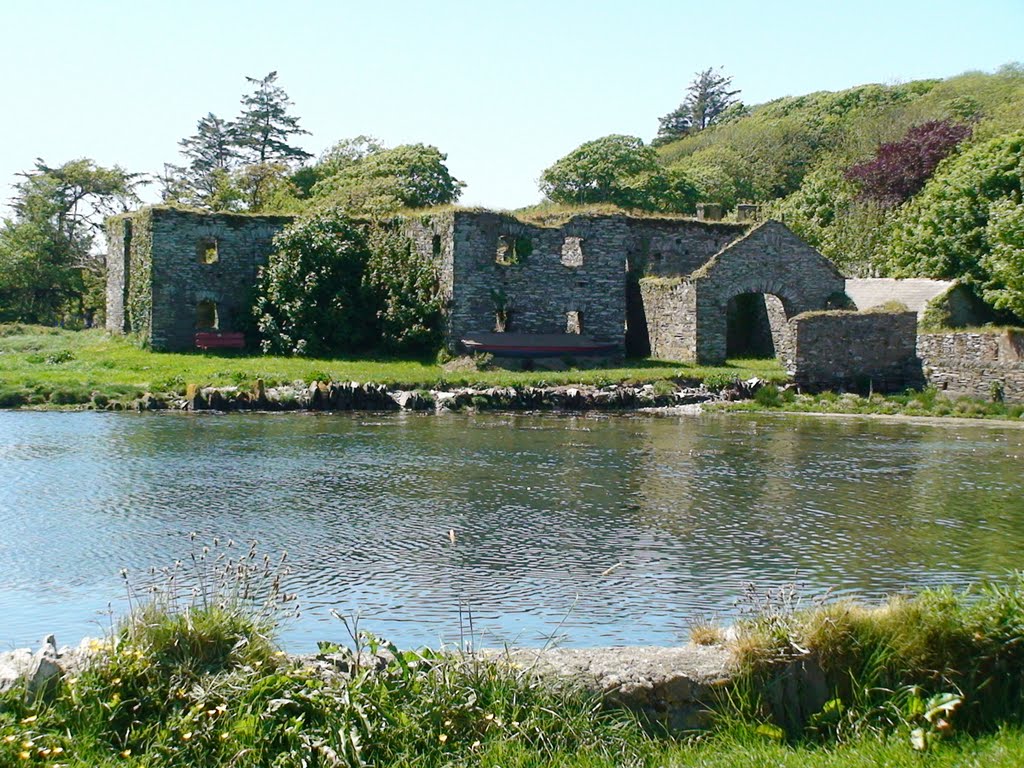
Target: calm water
{"type": "Point", "coordinates": [692, 508]}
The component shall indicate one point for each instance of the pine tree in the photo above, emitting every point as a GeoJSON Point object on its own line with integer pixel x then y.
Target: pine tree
{"type": "Point", "coordinates": [212, 156]}
{"type": "Point", "coordinates": [707, 99]}
{"type": "Point", "coordinates": [263, 129]}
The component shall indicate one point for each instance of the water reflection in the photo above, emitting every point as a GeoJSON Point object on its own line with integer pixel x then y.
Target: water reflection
{"type": "Point", "coordinates": [688, 509]}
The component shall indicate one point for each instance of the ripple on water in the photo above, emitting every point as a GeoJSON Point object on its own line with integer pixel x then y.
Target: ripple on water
{"type": "Point", "coordinates": [611, 530]}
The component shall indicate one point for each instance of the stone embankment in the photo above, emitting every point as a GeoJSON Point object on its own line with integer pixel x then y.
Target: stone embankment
{"type": "Point", "coordinates": [354, 396]}
{"type": "Point", "coordinates": [671, 686]}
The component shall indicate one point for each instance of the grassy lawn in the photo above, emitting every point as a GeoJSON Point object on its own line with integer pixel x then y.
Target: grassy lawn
{"type": "Point", "coordinates": [51, 366]}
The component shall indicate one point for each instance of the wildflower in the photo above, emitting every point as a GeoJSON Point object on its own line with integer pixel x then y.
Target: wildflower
{"type": "Point", "coordinates": [447, 722]}
{"type": "Point", "coordinates": [475, 744]}
{"type": "Point", "coordinates": [489, 716]}
{"type": "Point", "coordinates": [126, 753]}
{"type": "Point", "coordinates": [186, 736]}
{"type": "Point", "coordinates": [443, 738]}
{"type": "Point", "coordinates": [45, 752]}
{"type": "Point", "coordinates": [224, 736]}
{"type": "Point", "coordinates": [24, 755]}
{"type": "Point", "coordinates": [27, 744]}
{"type": "Point", "coordinates": [29, 719]}
{"type": "Point", "coordinates": [9, 738]}
{"type": "Point", "coordinates": [116, 681]}
{"type": "Point", "coordinates": [58, 750]}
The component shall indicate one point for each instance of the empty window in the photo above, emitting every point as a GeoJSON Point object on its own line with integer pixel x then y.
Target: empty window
{"type": "Point", "coordinates": [435, 246]}
{"type": "Point", "coordinates": [574, 322]}
{"type": "Point", "coordinates": [512, 249]}
{"type": "Point", "coordinates": [572, 252]}
{"type": "Point", "coordinates": [207, 250]}
{"type": "Point", "coordinates": [206, 315]}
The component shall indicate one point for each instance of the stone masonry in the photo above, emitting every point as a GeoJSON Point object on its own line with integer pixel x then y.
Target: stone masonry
{"type": "Point", "coordinates": [983, 365]}
{"type": "Point", "coordinates": [173, 272]}
{"type": "Point", "coordinates": [687, 316]}
{"type": "Point", "coordinates": [857, 351]}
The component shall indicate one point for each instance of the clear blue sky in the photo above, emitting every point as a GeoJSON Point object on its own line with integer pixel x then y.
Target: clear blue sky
{"type": "Point", "coordinates": [504, 88]}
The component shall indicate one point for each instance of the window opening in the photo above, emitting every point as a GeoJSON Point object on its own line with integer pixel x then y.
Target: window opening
{"type": "Point", "coordinates": [572, 252]}
{"type": "Point", "coordinates": [208, 251]}
{"type": "Point", "coordinates": [574, 322]}
{"type": "Point", "coordinates": [206, 315]}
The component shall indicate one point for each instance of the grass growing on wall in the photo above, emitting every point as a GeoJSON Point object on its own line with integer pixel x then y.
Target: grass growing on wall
{"type": "Point", "coordinates": [53, 367]}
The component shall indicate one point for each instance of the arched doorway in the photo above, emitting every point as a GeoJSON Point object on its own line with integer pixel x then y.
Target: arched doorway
{"type": "Point", "coordinates": [755, 326]}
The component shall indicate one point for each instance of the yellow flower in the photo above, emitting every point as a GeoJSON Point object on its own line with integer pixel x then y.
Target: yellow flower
{"type": "Point", "coordinates": [27, 744]}
{"type": "Point", "coordinates": [224, 736]}
{"type": "Point", "coordinates": [443, 738]}
{"type": "Point", "coordinates": [29, 719]}
{"type": "Point", "coordinates": [9, 738]}
{"type": "Point", "coordinates": [45, 751]}
{"type": "Point", "coordinates": [186, 736]}
{"type": "Point", "coordinates": [24, 755]}
{"type": "Point", "coordinates": [58, 750]}
{"type": "Point", "coordinates": [126, 753]}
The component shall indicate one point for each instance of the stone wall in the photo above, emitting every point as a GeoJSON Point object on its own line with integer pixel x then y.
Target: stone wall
{"type": "Point", "coordinates": [165, 263]}
{"type": "Point", "coordinates": [768, 260]}
{"type": "Point", "coordinates": [675, 247]}
{"type": "Point", "coordinates": [534, 276]}
{"type": "Point", "coordinates": [856, 351]}
{"type": "Point", "coordinates": [670, 308]}
{"type": "Point", "coordinates": [982, 365]}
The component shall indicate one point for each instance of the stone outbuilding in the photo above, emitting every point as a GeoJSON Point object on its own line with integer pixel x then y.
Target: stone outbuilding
{"type": "Point", "coordinates": [741, 300]}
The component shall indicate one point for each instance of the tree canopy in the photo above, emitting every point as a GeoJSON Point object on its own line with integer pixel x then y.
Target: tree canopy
{"type": "Point", "coordinates": [244, 163]}
{"type": "Point", "coordinates": [619, 170]}
{"type": "Point", "coordinates": [48, 258]}
{"type": "Point", "coordinates": [966, 223]}
{"type": "Point", "coordinates": [707, 99]}
{"type": "Point", "coordinates": [363, 177]}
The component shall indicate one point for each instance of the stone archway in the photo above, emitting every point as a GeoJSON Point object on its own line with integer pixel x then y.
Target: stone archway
{"type": "Point", "coordinates": [755, 326]}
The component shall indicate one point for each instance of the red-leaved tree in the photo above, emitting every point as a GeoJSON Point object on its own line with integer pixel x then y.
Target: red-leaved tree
{"type": "Point", "coordinates": [900, 169]}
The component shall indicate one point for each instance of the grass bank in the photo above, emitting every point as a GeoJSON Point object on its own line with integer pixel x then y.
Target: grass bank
{"type": "Point", "coordinates": [52, 367]}
{"type": "Point", "coordinates": [935, 679]}
{"type": "Point", "coordinates": [927, 402]}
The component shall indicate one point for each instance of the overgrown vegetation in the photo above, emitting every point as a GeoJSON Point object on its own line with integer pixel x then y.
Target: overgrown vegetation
{"type": "Point", "coordinates": [192, 678]}
{"type": "Point", "coordinates": [926, 402]}
{"type": "Point", "coordinates": [928, 665]}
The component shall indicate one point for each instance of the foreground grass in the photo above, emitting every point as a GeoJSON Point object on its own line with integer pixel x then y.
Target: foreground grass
{"type": "Point", "coordinates": [50, 366]}
{"type": "Point", "coordinates": [201, 684]}
{"type": "Point", "coordinates": [927, 402]}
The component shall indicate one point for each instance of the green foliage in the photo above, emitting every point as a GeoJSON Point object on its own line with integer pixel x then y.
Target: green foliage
{"type": "Point", "coordinates": [897, 664]}
{"type": "Point", "coordinates": [52, 240]}
{"type": "Point", "coordinates": [364, 178]}
{"type": "Point", "coordinates": [619, 170]}
{"type": "Point", "coordinates": [404, 287]}
{"type": "Point", "coordinates": [243, 164]}
{"type": "Point", "coordinates": [707, 99]}
{"type": "Point", "coordinates": [311, 299]}
{"type": "Point", "coordinates": [945, 232]}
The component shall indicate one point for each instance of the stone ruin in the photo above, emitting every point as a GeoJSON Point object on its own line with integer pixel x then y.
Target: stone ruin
{"type": "Point", "coordinates": [679, 289]}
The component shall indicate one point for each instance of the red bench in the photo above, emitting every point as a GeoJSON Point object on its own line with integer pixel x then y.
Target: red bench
{"type": "Point", "coordinates": [220, 340]}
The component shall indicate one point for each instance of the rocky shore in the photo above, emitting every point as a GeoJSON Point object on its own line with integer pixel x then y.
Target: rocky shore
{"type": "Point", "coordinates": [355, 396]}
{"type": "Point", "coordinates": [672, 686]}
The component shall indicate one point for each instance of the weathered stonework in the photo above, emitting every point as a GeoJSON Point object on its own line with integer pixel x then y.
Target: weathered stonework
{"type": "Point", "coordinates": [680, 289]}
{"type": "Point", "coordinates": [982, 365]}
{"type": "Point", "coordinates": [163, 277]}
{"type": "Point", "coordinates": [856, 351]}
{"type": "Point", "coordinates": [687, 317]}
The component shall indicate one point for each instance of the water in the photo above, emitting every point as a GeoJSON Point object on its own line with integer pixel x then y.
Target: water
{"type": "Point", "coordinates": [602, 530]}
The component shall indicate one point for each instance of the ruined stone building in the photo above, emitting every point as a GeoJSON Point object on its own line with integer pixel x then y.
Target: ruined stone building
{"type": "Point", "coordinates": [677, 289]}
